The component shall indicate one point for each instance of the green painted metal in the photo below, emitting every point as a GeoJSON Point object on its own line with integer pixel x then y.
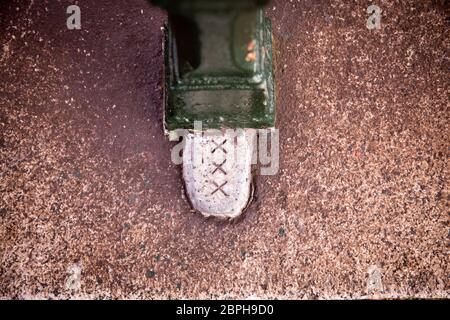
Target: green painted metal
{"type": "Point", "coordinates": [218, 64]}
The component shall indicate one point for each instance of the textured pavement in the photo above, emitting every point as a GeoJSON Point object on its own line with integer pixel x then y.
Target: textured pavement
{"type": "Point", "coordinates": [91, 206]}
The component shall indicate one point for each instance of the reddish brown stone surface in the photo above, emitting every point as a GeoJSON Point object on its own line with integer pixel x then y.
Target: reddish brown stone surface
{"type": "Point", "coordinates": [91, 206]}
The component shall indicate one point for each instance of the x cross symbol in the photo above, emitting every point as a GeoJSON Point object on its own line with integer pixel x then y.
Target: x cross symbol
{"type": "Point", "coordinates": [219, 146]}
{"type": "Point", "coordinates": [219, 167]}
{"type": "Point", "coordinates": [219, 188]}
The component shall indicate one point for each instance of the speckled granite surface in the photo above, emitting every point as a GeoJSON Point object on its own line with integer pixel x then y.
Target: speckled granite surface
{"type": "Point", "coordinates": [91, 207]}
